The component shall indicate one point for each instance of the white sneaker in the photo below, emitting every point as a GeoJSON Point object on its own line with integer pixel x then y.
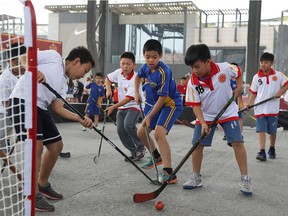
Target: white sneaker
{"type": "Point", "coordinates": [194, 181]}
{"type": "Point", "coordinates": [84, 129]}
{"type": "Point", "coordinates": [245, 186]}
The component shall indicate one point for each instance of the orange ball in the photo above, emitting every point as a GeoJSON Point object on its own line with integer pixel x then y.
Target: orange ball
{"type": "Point", "coordinates": [159, 205]}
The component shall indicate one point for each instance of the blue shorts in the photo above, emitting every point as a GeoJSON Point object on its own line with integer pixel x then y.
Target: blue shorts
{"type": "Point", "coordinates": [166, 117]}
{"type": "Point", "coordinates": [231, 129]}
{"type": "Point", "coordinates": [267, 124]}
{"type": "Point", "coordinates": [92, 109]}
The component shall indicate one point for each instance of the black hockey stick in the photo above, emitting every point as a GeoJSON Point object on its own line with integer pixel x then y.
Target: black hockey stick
{"type": "Point", "coordinates": [10, 165]}
{"type": "Point", "coordinates": [9, 154]}
{"type": "Point", "coordinates": [99, 132]}
{"type": "Point", "coordinates": [65, 154]}
{"type": "Point", "coordinates": [261, 102]}
{"type": "Point", "coordinates": [138, 198]}
{"type": "Point", "coordinates": [103, 129]}
{"type": "Point", "coordinates": [148, 141]}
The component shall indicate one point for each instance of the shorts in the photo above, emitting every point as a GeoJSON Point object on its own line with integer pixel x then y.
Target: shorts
{"type": "Point", "coordinates": [267, 124]}
{"type": "Point", "coordinates": [46, 128]}
{"type": "Point", "coordinates": [92, 109]}
{"type": "Point", "coordinates": [166, 117]}
{"type": "Point", "coordinates": [231, 129]}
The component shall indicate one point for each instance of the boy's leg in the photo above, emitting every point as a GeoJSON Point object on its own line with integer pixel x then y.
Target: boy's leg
{"type": "Point", "coordinates": [131, 119]}
{"type": "Point", "coordinates": [49, 159]}
{"type": "Point", "coordinates": [261, 129]}
{"type": "Point", "coordinates": [124, 135]}
{"type": "Point", "coordinates": [164, 147]}
{"type": "Point", "coordinates": [241, 157]}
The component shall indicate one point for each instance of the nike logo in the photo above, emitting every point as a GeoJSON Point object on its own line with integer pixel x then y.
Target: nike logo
{"type": "Point", "coordinates": [76, 32]}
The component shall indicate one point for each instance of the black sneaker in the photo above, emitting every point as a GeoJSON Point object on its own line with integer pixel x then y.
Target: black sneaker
{"type": "Point", "coordinates": [139, 155]}
{"type": "Point", "coordinates": [271, 153]}
{"type": "Point", "coordinates": [49, 192]}
{"type": "Point", "coordinates": [131, 157]}
{"type": "Point", "coordinates": [42, 204]}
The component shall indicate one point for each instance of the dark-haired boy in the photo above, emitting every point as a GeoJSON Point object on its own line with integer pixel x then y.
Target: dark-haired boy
{"type": "Point", "coordinates": [95, 99]}
{"type": "Point", "coordinates": [128, 112]}
{"type": "Point", "coordinates": [54, 72]}
{"type": "Point", "coordinates": [208, 91]}
{"type": "Point", "coordinates": [168, 106]}
{"type": "Point", "coordinates": [265, 84]}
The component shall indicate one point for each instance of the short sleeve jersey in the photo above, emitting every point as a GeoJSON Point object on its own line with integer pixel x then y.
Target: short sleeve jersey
{"type": "Point", "coordinates": [51, 64]}
{"type": "Point", "coordinates": [125, 88]}
{"type": "Point", "coordinates": [7, 84]}
{"type": "Point", "coordinates": [162, 83]}
{"type": "Point", "coordinates": [266, 86]}
{"type": "Point", "coordinates": [96, 92]}
{"type": "Point", "coordinates": [213, 94]}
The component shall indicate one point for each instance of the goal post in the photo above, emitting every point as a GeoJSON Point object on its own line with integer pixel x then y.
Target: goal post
{"type": "Point", "coordinates": [18, 121]}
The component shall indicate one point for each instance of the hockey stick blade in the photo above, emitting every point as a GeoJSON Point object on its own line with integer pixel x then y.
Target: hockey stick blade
{"type": "Point", "coordinates": [100, 133]}
{"type": "Point", "coordinates": [138, 198]}
{"type": "Point", "coordinates": [65, 154]}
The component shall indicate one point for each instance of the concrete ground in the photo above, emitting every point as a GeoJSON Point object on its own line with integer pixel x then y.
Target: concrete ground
{"type": "Point", "coordinates": [107, 188]}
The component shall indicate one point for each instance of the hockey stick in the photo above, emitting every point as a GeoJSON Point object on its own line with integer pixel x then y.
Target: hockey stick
{"type": "Point", "coordinates": [65, 154]}
{"type": "Point", "coordinates": [110, 118]}
{"type": "Point", "coordinates": [103, 129]}
{"type": "Point", "coordinates": [261, 102]}
{"type": "Point", "coordinates": [148, 141]}
{"type": "Point", "coordinates": [5, 164]}
{"type": "Point", "coordinates": [138, 198]}
{"type": "Point", "coordinates": [10, 165]}
{"type": "Point", "coordinates": [99, 132]}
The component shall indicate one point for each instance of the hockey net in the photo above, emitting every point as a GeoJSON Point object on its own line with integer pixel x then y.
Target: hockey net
{"type": "Point", "coordinates": [18, 118]}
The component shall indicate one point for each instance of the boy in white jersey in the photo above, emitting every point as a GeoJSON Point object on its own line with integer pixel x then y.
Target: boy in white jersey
{"type": "Point", "coordinates": [54, 72]}
{"type": "Point", "coordinates": [8, 80]}
{"type": "Point", "coordinates": [128, 112]}
{"type": "Point", "coordinates": [208, 91]}
{"type": "Point", "coordinates": [265, 84]}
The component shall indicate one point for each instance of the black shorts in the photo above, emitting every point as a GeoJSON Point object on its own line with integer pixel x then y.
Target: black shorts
{"type": "Point", "coordinates": [46, 128]}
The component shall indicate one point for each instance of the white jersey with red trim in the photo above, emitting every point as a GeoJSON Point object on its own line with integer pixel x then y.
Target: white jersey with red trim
{"type": "Point", "coordinates": [213, 95]}
{"type": "Point", "coordinates": [125, 88]}
{"type": "Point", "coordinates": [266, 86]}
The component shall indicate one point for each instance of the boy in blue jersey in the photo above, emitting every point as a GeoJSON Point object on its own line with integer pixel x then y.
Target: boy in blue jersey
{"type": "Point", "coordinates": [168, 106]}
{"type": "Point", "coordinates": [95, 99]}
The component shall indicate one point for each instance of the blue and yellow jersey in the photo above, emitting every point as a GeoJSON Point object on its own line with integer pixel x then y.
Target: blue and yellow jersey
{"type": "Point", "coordinates": [162, 82]}
{"type": "Point", "coordinates": [96, 92]}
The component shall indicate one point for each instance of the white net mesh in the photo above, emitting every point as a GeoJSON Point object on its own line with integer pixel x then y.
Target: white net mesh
{"type": "Point", "coordinates": [13, 135]}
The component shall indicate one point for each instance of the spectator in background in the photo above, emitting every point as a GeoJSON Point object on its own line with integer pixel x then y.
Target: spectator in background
{"type": "Point", "coordinates": [86, 92]}
{"type": "Point", "coordinates": [115, 94]}
{"type": "Point", "coordinates": [182, 88]}
{"type": "Point", "coordinates": [79, 90]}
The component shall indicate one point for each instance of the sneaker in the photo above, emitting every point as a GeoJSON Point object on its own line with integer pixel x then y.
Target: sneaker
{"type": "Point", "coordinates": [261, 156]}
{"type": "Point", "coordinates": [195, 181]}
{"type": "Point", "coordinates": [271, 153]}
{"type": "Point", "coordinates": [48, 192]}
{"type": "Point", "coordinates": [164, 176]}
{"type": "Point", "coordinates": [99, 129]}
{"type": "Point", "coordinates": [42, 204]}
{"type": "Point", "coordinates": [84, 129]}
{"type": "Point", "coordinates": [131, 157]}
{"type": "Point", "coordinates": [149, 164]}
{"type": "Point", "coordinates": [224, 137]}
{"type": "Point", "coordinates": [245, 186]}
{"type": "Point", "coordinates": [139, 155]}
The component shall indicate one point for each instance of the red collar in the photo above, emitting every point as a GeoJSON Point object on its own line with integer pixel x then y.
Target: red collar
{"type": "Point", "coordinates": [129, 77]}
{"type": "Point", "coordinates": [206, 81]}
{"type": "Point", "coordinates": [261, 74]}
